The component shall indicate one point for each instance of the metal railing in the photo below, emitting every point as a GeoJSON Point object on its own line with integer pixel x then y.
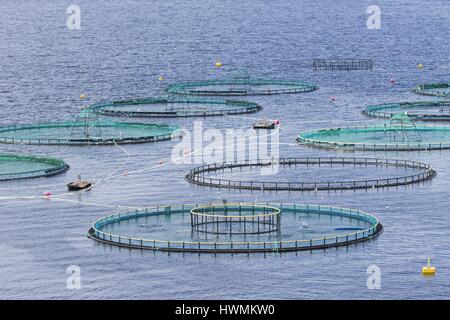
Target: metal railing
{"type": "Point", "coordinates": [306, 139]}
{"type": "Point", "coordinates": [58, 166]}
{"type": "Point", "coordinates": [430, 89]}
{"type": "Point", "coordinates": [4, 138]}
{"type": "Point", "coordinates": [382, 111]}
{"type": "Point", "coordinates": [196, 175]}
{"type": "Point", "coordinates": [231, 107]}
{"type": "Point", "coordinates": [342, 64]}
{"type": "Point", "coordinates": [189, 88]}
{"type": "Point", "coordinates": [96, 233]}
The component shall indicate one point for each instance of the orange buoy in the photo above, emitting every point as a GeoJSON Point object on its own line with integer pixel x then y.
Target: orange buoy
{"type": "Point", "coordinates": [47, 194]}
{"type": "Point", "coordinates": [125, 173]}
{"type": "Point", "coordinates": [161, 162]}
{"type": "Point", "coordinates": [333, 98]}
{"type": "Point", "coordinates": [391, 81]}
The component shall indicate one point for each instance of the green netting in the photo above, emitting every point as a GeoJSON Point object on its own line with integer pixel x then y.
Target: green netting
{"type": "Point", "coordinates": [420, 110]}
{"type": "Point", "coordinates": [87, 133]}
{"type": "Point", "coordinates": [235, 220]}
{"type": "Point", "coordinates": [145, 229]}
{"type": "Point", "coordinates": [399, 134]}
{"type": "Point", "coordinates": [13, 167]}
{"type": "Point", "coordinates": [240, 86]}
{"type": "Point", "coordinates": [173, 107]}
{"type": "Point", "coordinates": [433, 89]}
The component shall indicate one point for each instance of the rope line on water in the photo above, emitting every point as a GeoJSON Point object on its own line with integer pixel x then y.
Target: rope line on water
{"type": "Point", "coordinates": [112, 176]}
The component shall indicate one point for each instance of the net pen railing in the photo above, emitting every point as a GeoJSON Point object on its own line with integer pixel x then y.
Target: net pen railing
{"type": "Point", "coordinates": [237, 246]}
{"type": "Point", "coordinates": [235, 220]}
{"type": "Point", "coordinates": [196, 175]}
{"type": "Point", "coordinates": [432, 89]}
{"type": "Point", "coordinates": [58, 166]}
{"type": "Point", "coordinates": [343, 64]}
{"type": "Point", "coordinates": [111, 108]}
{"type": "Point", "coordinates": [382, 111]}
{"type": "Point", "coordinates": [9, 139]}
{"type": "Point", "coordinates": [195, 88]}
{"type": "Point", "coordinates": [311, 138]}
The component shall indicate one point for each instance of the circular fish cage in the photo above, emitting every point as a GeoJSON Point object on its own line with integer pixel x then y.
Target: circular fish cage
{"type": "Point", "coordinates": [433, 89]}
{"type": "Point", "coordinates": [16, 167]}
{"type": "Point", "coordinates": [87, 133]}
{"type": "Point", "coordinates": [414, 172]}
{"type": "Point", "coordinates": [173, 107]}
{"type": "Point", "coordinates": [420, 110]}
{"type": "Point", "coordinates": [235, 220]}
{"type": "Point", "coordinates": [398, 134]}
{"type": "Point", "coordinates": [240, 86]}
{"type": "Point", "coordinates": [302, 227]}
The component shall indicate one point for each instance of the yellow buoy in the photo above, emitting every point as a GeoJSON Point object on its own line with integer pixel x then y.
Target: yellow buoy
{"type": "Point", "coordinates": [428, 270]}
{"type": "Point", "coordinates": [420, 66]}
{"type": "Point", "coordinates": [218, 63]}
{"type": "Point", "coordinates": [82, 97]}
{"type": "Point", "coordinates": [161, 78]}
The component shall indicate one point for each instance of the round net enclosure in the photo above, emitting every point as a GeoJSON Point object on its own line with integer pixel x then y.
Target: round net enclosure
{"type": "Point", "coordinates": [441, 89]}
{"type": "Point", "coordinates": [240, 85]}
{"type": "Point", "coordinates": [15, 167]}
{"type": "Point", "coordinates": [420, 110]}
{"type": "Point", "coordinates": [87, 129]}
{"type": "Point", "coordinates": [236, 228]}
{"type": "Point", "coordinates": [311, 174]}
{"type": "Point", "coordinates": [400, 133]}
{"type": "Point", "coordinates": [245, 219]}
{"type": "Point", "coordinates": [174, 107]}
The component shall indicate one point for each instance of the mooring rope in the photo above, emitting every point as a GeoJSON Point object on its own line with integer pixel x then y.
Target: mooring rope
{"type": "Point", "coordinates": [112, 176]}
